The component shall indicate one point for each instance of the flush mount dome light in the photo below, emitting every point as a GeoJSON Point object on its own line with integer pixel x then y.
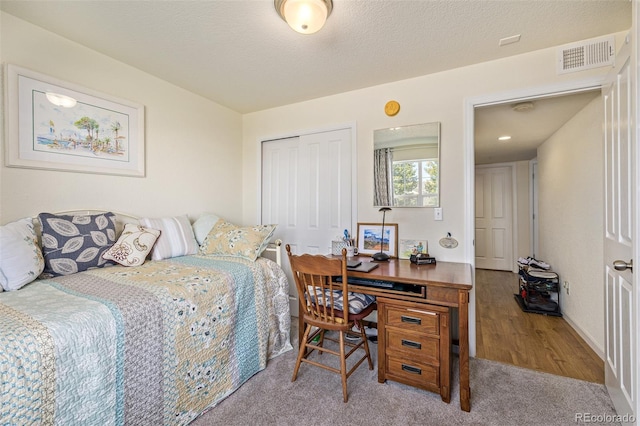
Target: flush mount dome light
{"type": "Point", "coordinates": [304, 16]}
{"type": "Point", "coordinates": [504, 138]}
{"type": "Point", "coordinates": [61, 100]}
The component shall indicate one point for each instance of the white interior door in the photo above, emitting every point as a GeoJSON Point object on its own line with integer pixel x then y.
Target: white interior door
{"type": "Point", "coordinates": [621, 297]}
{"type": "Point", "coordinates": [494, 218]}
{"type": "Point", "coordinates": [306, 190]}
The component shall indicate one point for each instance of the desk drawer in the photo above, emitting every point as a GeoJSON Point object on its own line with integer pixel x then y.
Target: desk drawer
{"type": "Point", "coordinates": [419, 320]}
{"type": "Point", "coordinates": [414, 373]}
{"type": "Point", "coordinates": [415, 346]}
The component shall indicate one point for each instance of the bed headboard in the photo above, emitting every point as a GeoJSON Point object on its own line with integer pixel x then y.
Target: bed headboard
{"type": "Point", "coordinates": [273, 250]}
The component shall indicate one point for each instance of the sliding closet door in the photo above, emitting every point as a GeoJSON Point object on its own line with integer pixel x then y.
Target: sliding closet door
{"type": "Point", "coordinates": [306, 190]}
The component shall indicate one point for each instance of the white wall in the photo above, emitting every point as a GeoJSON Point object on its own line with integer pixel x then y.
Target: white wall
{"type": "Point", "coordinates": [193, 145]}
{"type": "Point", "coordinates": [571, 200]}
{"type": "Point", "coordinates": [436, 97]}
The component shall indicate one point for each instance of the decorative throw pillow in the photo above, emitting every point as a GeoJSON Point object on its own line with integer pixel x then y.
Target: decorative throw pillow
{"type": "Point", "coordinates": [176, 237]}
{"type": "Point", "coordinates": [203, 225]}
{"type": "Point", "coordinates": [20, 256]}
{"type": "Point", "coordinates": [227, 239]}
{"type": "Point", "coordinates": [75, 243]}
{"type": "Point", "coordinates": [133, 246]}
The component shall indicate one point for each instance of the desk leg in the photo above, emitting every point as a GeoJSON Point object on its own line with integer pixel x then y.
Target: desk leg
{"type": "Point", "coordinates": [463, 320]}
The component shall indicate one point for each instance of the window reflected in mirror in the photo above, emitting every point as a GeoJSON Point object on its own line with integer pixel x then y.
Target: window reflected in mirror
{"type": "Point", "coordinates": [407, 166]}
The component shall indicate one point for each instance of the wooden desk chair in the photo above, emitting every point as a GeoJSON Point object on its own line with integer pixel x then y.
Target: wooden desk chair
{"type": "Point", "coordinates": [322, 305]}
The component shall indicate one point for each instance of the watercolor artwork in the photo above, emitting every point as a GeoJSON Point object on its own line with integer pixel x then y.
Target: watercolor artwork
{"type": "Point", "coordinates": [57, 125]}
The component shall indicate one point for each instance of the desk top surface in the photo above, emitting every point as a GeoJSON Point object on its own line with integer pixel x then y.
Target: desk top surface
{"type": "Point", "coordinates": [442, 274]}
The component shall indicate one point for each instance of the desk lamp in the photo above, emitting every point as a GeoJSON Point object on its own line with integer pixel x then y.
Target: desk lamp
{"type": "Point", "coordinates": [381, 256]}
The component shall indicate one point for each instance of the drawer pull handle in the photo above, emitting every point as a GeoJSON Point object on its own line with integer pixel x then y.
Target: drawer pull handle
{"type": "Point", "coordinates": [411, 320]}
{"type": "Point", "coordinates": [411, 369]}
{"type": "Point", "coordinates": [422, 312]}
{"type": "Point", "coordinates": [409, 343]}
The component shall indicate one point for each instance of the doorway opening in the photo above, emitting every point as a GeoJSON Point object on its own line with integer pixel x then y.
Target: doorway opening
{"type": "Point", "coordinates": [504, 332]}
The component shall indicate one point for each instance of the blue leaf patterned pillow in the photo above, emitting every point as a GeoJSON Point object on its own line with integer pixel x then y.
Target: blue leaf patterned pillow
{"type": "Point", "coordinates": [73, 244]}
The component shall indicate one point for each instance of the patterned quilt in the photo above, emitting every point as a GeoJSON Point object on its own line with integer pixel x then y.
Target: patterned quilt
{"type": "Point", "coordinates": [154, 344]}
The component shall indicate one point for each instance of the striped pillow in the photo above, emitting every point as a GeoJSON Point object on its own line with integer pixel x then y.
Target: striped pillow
{"type": "Point", "coordinates": [176, 237]}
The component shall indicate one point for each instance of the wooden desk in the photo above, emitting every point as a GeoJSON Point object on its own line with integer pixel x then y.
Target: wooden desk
{"type": "Point", "coordinates": [445, 284]}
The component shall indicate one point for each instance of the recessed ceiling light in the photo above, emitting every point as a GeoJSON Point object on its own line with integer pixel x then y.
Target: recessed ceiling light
{"type": "Point", "coordinates": [504, 138]}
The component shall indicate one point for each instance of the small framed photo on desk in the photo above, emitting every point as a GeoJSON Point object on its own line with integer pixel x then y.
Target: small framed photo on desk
{"type": "Point", "coordinates": [409, 247]}
{"type": "Point", "coordinates": [371, 240]}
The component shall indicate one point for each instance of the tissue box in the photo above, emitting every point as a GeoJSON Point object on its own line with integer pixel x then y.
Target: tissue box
{"type": "Point", "coordinates": [337, 246]}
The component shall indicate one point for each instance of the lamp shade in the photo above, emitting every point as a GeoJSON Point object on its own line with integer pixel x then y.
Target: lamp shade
{"type": "Point", "coordinates": [304, 16]}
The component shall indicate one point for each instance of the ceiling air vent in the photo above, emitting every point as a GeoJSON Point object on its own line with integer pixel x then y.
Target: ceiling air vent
{"type": "Point", "coordinates": [586, 54]}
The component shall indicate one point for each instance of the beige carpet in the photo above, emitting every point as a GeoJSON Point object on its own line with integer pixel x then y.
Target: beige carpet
{"type": "Point", "coordinates": [500, 395]}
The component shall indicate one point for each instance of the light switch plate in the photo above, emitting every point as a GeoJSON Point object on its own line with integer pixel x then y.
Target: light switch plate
{"type": "Point", "coordinates": [437, 213]}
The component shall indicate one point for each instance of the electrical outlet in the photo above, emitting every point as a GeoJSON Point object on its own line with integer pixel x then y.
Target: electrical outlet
{"type": "Point", "coordinates": [565, 285]}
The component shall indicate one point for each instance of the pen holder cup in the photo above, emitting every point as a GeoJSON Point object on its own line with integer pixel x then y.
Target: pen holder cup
{"type": "Point", "coordinates": [337, 246]}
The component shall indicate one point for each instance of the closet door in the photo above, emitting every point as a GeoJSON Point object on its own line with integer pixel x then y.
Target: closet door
{"type": "Point", "coordinates": [306, 190]}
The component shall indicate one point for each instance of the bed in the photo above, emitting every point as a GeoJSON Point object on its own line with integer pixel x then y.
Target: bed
{"type": "Point", "coordinates": [156, 344]}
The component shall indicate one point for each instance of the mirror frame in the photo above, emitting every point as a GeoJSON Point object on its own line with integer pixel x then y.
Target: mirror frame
{"type": "Point", "coordinates": [409, 133]}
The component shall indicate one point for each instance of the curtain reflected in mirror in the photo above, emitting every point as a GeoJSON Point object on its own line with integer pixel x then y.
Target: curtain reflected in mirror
{"type": "Point", "coordinates": [406, 166]}
{"type": "Point", "coordinates": [382, 165]}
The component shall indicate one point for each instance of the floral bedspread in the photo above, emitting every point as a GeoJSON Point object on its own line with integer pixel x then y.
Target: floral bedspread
{"type": "Point", "coordinates": [154, 344]}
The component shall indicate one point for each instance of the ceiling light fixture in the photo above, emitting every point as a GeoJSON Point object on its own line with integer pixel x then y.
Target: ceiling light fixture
{"type": "Point", "coordinates": [304, 16]}
{"type": "Point", "coordinates": [504, 138]}
{"type": "Point", "coordinates": [61, 100]}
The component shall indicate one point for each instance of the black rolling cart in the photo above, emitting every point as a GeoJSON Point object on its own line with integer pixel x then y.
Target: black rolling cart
{"type": "Point", "coordinates": [538, 291]}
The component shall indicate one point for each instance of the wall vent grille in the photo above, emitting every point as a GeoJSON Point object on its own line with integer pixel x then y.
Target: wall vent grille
{"type": "Point", "coordinates": [587, 54]}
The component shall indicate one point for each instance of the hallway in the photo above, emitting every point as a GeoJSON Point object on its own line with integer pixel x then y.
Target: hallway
{"type": "Point", "coordinates": [545, 343]}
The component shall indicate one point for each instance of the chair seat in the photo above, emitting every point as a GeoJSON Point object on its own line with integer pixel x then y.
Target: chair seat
{"type": "Point", "coordinates": [357, 302]}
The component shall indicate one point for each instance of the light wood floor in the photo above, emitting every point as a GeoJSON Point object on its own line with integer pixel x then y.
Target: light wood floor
{"type": "Point", "coordinates": [545, 343]}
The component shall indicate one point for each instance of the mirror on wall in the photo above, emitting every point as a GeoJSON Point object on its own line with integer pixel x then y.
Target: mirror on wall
{"type": "Point", "coordinates": [406, 166]}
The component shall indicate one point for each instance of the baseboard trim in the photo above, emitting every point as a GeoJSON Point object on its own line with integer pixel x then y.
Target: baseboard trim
{"type": "Point", "coordinates": [597, 349]}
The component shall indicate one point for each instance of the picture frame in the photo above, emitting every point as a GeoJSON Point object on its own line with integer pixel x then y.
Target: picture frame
{"type": "Point", "coordinates": [409, 247]}
{"type": "Point", "coordinates": [92, 133]}
{"type": "Point", "coordinates": [369, 237]}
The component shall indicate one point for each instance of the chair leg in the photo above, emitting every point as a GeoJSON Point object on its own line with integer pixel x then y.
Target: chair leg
{"type": "Point", "coordinates": [363, 336]}
{"type": "Point", "coordinates": [321, 341]}
{"type": "Point", "coordinates": [301, 352]}
{"type": "Point", "coordinates": [343, 367]}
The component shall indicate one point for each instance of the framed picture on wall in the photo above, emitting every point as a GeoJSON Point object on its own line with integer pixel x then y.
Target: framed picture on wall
{"type": "Point", "coordinates": [371, 239]}
{"type": "Point", "coordinates": [56, 125]}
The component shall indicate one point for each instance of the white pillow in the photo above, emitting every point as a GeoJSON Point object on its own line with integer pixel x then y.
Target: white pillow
{"type": "Point", "coordinates": [203, 225]}
{"type": "Point", "coordinates": [133, 246]}
{"type": "Point", "coordinates": [176, 237]}
{"type": "Point", "coordinates": [21, 259]}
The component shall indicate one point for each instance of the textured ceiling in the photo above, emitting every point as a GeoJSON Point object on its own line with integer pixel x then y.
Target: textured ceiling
{"type": "Point", "coordinates": [240, 54]}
